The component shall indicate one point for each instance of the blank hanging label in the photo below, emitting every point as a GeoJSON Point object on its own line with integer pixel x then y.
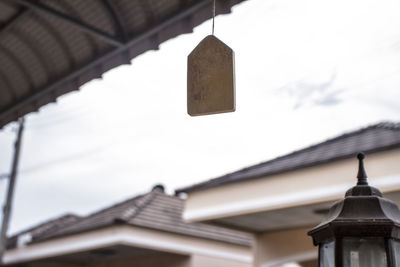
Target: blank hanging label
{"type": "Point", "coordinates": [211, 78]}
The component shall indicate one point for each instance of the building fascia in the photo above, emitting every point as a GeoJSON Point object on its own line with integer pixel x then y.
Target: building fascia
{"type": "Point", "coordinates": [129, 236]}
{"type": "Point", "coordinates": [386, 184]}
{"type": "Point", "coordinates": [313, 185]}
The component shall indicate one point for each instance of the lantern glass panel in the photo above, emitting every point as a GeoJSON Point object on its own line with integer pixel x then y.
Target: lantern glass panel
{"type": "Point", "coordinates": [396, 252]}
{"type": "Point", "coordinates": [327, 254]}
{"type": "Point", "coordinates": [364, 252]}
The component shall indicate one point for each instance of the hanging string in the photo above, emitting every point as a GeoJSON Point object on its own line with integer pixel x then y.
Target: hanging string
{"type": "Point", "coordinates": [213, 18]}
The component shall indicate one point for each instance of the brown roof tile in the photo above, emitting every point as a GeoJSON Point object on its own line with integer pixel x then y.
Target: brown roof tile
{"type": "Point", "coordinates": [154, 210]}
{"type": "Point", "coordinates": [44, 228]}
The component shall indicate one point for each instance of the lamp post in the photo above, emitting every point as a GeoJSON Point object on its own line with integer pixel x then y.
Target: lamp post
{"type": "Point", "coordinates": [361, 230]}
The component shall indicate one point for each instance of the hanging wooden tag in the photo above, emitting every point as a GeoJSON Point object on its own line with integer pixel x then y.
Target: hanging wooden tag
{"type": "Point", "coordinates": [211, 78]}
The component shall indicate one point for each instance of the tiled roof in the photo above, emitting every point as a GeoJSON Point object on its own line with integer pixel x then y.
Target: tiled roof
{"type": "Point", "coordinates": [378, 137]}
{"type": "Point", "coordinates": [154, 210]}
{"type": "Point", "coordinates": [49, 226]}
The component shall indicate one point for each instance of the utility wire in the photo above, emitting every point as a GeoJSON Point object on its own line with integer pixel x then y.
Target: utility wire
{"type": "Point", "coordinates": [213, 17]}
{"type": "Point", "coordinates": [62, 160]}
{"type": "Point", "coordinates": [69, 158]}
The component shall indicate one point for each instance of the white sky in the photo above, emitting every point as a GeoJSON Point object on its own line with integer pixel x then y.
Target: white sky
{"type": "Point", "coordinates": [305, 71]}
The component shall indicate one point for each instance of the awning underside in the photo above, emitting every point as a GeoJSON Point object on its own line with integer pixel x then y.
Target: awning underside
{"type": "Point", "coordinates": [51, 47]}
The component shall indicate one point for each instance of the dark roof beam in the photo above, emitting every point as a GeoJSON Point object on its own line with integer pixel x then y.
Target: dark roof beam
{"type": "Point", "coordinates": [90, 39]}
{"type": "Point", "coordinates": [36, 6]}
{"type": "Point", "coordinates": [74, 74]}
{"type": "Point", "coordinates": [115, 19]}
{"type": "Point", "coordinates": [19, 15]}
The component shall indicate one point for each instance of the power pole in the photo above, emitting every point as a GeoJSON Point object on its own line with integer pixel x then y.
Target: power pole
{"type": "Point", "coordinates": [10, 191]}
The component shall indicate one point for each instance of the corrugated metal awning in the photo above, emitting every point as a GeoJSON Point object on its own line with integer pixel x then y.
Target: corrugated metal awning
{"type": "Point", "coordinates": [51, 47]}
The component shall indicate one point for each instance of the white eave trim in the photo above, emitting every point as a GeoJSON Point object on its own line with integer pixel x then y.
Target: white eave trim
{"type": "Point", "coordinates": [129, 236]}
{"type": "Point", "coordinates": [314, 195]}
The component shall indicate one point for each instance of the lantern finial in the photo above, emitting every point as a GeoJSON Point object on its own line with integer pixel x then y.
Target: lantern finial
{"type": "Point", "coordinates": [362, 175]}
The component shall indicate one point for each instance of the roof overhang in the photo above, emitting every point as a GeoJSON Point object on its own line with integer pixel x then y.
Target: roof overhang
{"type": "Point", "coordinates": [130, 238]}
{"type": "Point", "coordinates": [49, 48]}
{"type": "Point", "coordinates": [292, 199]}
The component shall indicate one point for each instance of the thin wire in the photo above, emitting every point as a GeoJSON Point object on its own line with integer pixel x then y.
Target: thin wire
{"type": "Point", "coordinates": [213, 20]}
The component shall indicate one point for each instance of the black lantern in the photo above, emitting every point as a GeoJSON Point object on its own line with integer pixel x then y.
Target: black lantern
{"type": "Point", "coordinates": [362, 230]}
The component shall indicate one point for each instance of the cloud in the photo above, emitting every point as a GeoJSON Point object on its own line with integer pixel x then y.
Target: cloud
{"type": "Point", "coordinates": [329, 99]}
{"type": "Point", "coordinates": [305, 92]}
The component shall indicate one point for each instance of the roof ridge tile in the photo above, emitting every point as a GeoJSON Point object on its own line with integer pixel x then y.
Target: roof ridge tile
{"type": "Point", "coordinates": [136, 198]}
